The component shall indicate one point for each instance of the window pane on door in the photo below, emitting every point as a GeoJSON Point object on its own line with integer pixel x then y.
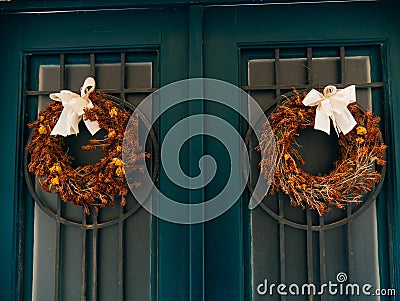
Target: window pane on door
{"type": "Point", "coordinates": [104, 256]}
{"type": "Point", "coordinates": [289, 245]}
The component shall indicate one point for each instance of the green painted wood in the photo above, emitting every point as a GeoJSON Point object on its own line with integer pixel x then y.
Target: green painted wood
{"type": "Point", "coordinates": [392, 63]}
{"type": "Point", "coordinates": [97, 29]}
{"type": "Point", "coordinates": [224, 235]}
{"type": "Point", "coordinates": [173, 239]}
{"type": "Point", "coordinates": [8, 155]}
{"type": "Point", "coordinates": [196, 149]}
{"type": "Point", "coordinates": [24, 6]}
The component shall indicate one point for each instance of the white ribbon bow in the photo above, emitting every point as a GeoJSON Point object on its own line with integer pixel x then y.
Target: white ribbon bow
{"type": "Point", "coordinates": [74, 105]}
{"type": "Point", "coordinates": [332, 105]}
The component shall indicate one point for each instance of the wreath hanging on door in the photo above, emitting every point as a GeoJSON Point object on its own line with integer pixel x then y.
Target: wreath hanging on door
{"type": "Point", "coordinates": [360, 142]}
{"type": "Point", "coordinates": [93, 185]}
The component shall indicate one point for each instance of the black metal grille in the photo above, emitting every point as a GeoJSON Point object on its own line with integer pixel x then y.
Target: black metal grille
{"type": "Point", "coordinates": [277, 207]}
{"type": "Point", "coordinates": [90, 226]}
{"type": "Point", "coordinates": [278, 87]}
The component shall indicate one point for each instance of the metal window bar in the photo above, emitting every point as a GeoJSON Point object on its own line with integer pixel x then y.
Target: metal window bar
{"type": "Point", "coordinates": [309, 227]}
{"type": "Point", "coordinates": [122, 91]}
{"type": "Point", "coordinates": [121, 254]}
{"type": "Point", "coordinates": [277, 87]}
{"type": "Point", "coordinates": [322, 253]}
{"type": "Point", "coordinates": [282, 248]}
{"type": "Point", "coordinates": [57, 287]}
{"type": "Point", "coordinates": [94, 226]}
{"type": "Point", "coordinates": [121, 212]}
{"type": "Point", "coordinates": [310, 263]}
{"type": "Point", "coordinates": [83, 259]}
{"type": "Point", "coordinates": [310, 77]}
{"type": "Point", "coordinates": [342, 65]}
{"type": "Point", "coordinates": [122, 76]}
{"type": "Point", "coordinates": [92, 65]}
{"type": "Point", "coordinates": [350, 249]}
{"type": "Point", "coordinates": [95, 231]}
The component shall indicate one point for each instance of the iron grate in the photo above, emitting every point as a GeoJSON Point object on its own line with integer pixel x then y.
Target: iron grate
{"type": "Point", "coordinates": [277, 88]}
{"type": "Point", "coordinates": [90, 226]}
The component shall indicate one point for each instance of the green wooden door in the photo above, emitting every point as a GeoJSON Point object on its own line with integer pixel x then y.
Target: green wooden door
{"type": "Point", "coordinates": [269, 50]}
{"type": "Point", "coordinates": [130, 53]}
{"type": "Point", "coordinates": [226, 258]}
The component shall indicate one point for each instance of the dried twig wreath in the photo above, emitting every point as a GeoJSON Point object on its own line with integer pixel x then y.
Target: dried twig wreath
{"type": "Point", "coordinates": [93, 185]}
{"type": "Point", "coordinates": [354, 172]}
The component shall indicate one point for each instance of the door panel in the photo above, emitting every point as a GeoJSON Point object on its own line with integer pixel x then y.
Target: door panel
{"type": "Point", "coordinates": [132, 256]}
{"type": "Point", "coordinates": [240, 39]}
{"type": "Point", "coordinates": [120, 237]}
{"type": "Point", "coordinates": [314, 249]}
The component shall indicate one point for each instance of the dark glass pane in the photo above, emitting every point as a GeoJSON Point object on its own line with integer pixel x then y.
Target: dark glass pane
{"type": "Point", "coordinates": [122, 237]}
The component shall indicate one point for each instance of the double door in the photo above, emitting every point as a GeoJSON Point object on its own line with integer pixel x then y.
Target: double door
{"type": "Point", "coordinates": [128, 254]}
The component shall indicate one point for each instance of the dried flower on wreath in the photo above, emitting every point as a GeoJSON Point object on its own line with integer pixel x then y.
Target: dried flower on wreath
{"type": "Point", "coordinates": [353, 174]}
{"type": "Point", "coordinates": [93, 185]}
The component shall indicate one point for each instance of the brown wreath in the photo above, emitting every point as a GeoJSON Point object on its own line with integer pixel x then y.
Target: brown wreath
{"type": "Point", "coordinates": [353, 173]}
{"type": "Point", "coordinates": [93, 185]}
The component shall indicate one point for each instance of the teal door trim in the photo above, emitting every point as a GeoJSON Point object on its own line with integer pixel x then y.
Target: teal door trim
{"type": "Point", "coordinates": [10, 162]}
{"type": "Point", "coordinates": [19, 6]}
{"type": "Point", "coordinates": [196, 151]}
{"type": "Point", "coordinates": [173, 239]}
{"type": "Point", "coordinates": [392, 62]}
{"type": "Point", "coordinates": [224, 241]}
